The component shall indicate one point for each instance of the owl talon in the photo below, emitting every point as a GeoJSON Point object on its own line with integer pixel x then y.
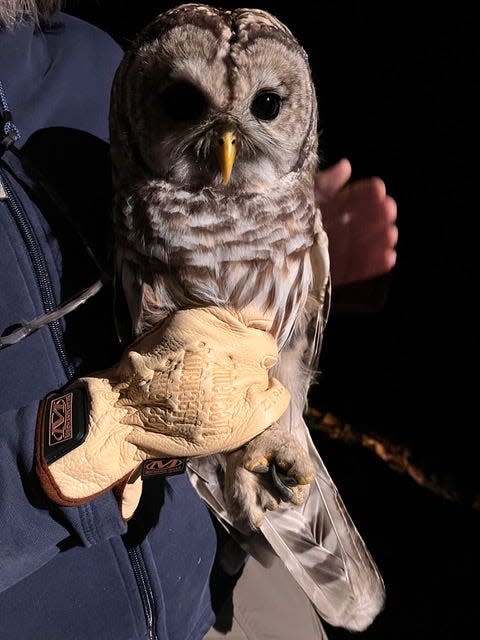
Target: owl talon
{"type": "Point", "coordinates": [259, 465]}
{"type": "Point", "coordinates": [283, 483]}
{"type": "Point", "coordinates": [258, 468]}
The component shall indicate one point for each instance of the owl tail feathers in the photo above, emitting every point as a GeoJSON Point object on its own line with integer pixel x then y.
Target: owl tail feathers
{"type": "Point", "coordinates": [323, 550]}
{"type": "Point", "coordinates": [346, 589]}
{"type": "Point", "coordinates": [317, 542]}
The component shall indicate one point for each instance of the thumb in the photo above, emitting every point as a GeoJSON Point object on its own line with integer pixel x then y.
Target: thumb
{"type": "Point", "coordinates": [130, 496]}
{"type": "Point", "coordinates": [268, 406]}
{"type": "Point", "coordinates": [329, 181]}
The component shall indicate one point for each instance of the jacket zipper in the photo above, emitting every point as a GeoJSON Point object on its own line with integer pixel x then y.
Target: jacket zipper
{"type": "Point", "coordinates": [49, 304]}
{"type": "Point", "coordinates": [39, 267]}
{"type": "Point", "coordinates": [145, 589]}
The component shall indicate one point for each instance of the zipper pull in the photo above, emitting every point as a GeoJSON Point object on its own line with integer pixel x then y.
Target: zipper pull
{"type": "Point", "coordinates": [3, 193]}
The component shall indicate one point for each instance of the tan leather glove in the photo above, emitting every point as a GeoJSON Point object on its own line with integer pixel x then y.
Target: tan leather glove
{"type": "Point", "coordinates": [196, 385]}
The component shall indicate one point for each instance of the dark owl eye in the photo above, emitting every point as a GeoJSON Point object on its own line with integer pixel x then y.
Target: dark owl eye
{"type": "Point", "coordinates": [266, 105]}
{"type": "Point", "coordinates": [181, 102]}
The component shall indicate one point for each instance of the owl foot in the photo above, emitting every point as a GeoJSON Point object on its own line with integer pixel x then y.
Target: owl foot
{"type": "Point", "coordinates": [271, 469]}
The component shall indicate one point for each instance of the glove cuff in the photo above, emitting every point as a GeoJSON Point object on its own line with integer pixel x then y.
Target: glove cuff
{"type": "Point", "coordinates": [83, 447]}
{"type": "Point", "coordinates": [76, 434]}
{"type": "Point", "coordinates": [62, 425]}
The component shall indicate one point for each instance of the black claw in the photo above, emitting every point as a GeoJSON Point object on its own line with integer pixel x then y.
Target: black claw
{"type": "Point", "coordinates": [282, 482]}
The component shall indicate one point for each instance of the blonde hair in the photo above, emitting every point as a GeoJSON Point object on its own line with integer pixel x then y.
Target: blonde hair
{"type": "Point", "coordinates": [14, 11]}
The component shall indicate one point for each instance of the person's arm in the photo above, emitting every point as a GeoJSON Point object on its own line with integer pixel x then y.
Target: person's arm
{"type": "Point", "coordinates": [32, 529]}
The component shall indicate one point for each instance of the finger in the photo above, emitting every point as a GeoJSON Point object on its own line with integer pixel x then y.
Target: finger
{"type": "Point", "coordinates": [367, 195]}
{"type": "Point", "coordinates": [329, 181]}
{"type": "Point", "coordinates": [380, 261]}
{"type": "Point", "coordinates": [363, 237]}
{"type": "Point", "coordinates": [363, 198]}
{"type": "Point", "coordinates": [369, 200]}
{"type": "Point", "coordinates": [361, 212]}
{"type": "Point", "coordinates": [361, 252]}
{"type": "Point", "coordinates": [390, 207]}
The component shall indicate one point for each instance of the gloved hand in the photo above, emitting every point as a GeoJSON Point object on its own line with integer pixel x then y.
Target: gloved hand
{"type": "Point", "coordinates": [197, 384]}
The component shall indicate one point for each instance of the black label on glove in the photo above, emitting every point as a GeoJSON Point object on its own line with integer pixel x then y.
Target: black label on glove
{"type": "Point", "coordinates": [65, 423]}
{"type": "Point", "coordinates": [159, 467]}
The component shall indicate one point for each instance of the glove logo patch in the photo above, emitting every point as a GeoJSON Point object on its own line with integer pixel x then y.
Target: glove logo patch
{"type": "Point", "coordinates": [157, 467]}
{"type": "Point", "coordinates": [60, 420]}
{"type": "Point", "coordinates": [64, 420]}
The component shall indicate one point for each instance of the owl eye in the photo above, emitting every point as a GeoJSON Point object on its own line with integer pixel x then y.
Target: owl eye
{"type": "Point", "coordinates": [266, 105]}
{"type": "Point", "coordinates": [182, 102]}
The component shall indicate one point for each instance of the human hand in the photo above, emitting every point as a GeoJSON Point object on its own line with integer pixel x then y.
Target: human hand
{"type": "Point", "coordinates": [360, 221]}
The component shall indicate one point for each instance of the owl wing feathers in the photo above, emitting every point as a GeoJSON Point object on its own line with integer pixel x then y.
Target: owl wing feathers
{"type": "Point", "coordinates": [317, 541]}
{"type": "Point", "coordinates": [321, 292]}
{"type": "Point", "coordinates": [321, 547]}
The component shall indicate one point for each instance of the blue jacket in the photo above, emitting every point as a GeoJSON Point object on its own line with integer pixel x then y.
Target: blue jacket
{"type": "Point", "coordinates": [76, 572]}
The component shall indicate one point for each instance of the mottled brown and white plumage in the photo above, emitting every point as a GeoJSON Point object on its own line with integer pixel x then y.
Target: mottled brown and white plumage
{"type": "Point", "coordinates": [184, 237]}
{"type": "Point", "coordinates": [214, 148]}
{"type": "Point", "coordinates": [197, 79]}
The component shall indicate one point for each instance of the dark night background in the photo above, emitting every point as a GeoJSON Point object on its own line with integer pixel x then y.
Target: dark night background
{"type": "Point", "coordinates": [396, 85]}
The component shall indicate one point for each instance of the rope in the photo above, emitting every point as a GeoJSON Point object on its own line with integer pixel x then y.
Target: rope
{"type": "Point", "coordinates": [10, 131]}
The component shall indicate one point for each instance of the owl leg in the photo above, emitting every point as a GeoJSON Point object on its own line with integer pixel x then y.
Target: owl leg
{"type": "Point", "coordinates": [251, 489]}
{"type": "Point", "coordinates": [277, 448]}
{"type": "Point", "coordinates": [274, 467]}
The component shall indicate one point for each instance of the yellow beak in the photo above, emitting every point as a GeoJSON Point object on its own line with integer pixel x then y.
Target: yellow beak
{"type": "Point", "coordinates": [227, 150]}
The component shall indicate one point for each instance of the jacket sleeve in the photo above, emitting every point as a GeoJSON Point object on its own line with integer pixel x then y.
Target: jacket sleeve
{"type": "Point", "coordinates": [32, 529]}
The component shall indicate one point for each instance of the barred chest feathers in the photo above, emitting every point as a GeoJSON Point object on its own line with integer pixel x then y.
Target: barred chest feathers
{"type": "Point", "coordinates": [196, 248]}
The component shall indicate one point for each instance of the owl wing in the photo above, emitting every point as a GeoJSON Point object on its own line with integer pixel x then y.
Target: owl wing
{"type": "Point", "coordinates": [320, 545]}
{"type": "Point", "coordinates": [320, 292]}
{"type": "Point", "coordinates": [317, 541]}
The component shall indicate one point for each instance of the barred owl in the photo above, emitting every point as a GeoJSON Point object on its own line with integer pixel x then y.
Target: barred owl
{"type": "Point", "coordinates": [214, 151]}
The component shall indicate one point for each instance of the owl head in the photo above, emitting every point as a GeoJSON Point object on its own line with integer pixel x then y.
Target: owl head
{"type": "Point", "coordinates": [212, 98]}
